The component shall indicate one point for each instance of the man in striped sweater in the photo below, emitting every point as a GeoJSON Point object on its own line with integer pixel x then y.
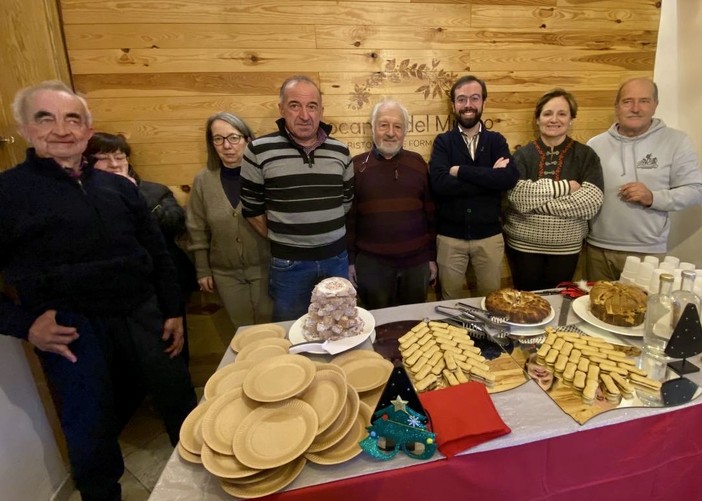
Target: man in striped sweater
{"type": "Point", "coordinates": [297, 186]}
{"type": "Point", "coordinates": [392, 236]}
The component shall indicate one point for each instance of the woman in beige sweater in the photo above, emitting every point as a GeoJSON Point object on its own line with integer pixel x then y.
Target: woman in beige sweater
{"type": "Point", "coordinates": [229, 255]}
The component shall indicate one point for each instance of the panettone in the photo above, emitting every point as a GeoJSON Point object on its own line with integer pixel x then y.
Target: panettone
{"type": "Point", "coordinates": [618, 304]}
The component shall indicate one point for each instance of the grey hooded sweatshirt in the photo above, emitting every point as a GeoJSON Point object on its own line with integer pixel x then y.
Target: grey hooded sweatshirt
{"type": "Point", "coordinates": [664, 160]}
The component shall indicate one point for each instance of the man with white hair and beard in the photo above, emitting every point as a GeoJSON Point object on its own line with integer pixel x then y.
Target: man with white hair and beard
{"type": "Point", "coordinates": [469, 169]}
{"type": "Point", "coordinates": [390, 228]}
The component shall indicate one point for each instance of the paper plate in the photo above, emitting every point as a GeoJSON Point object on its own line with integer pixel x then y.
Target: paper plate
{"type": "Point", "coordinates": [188, 456]}
{"type": "Point", "coordinates": [347, 448]}
{"type": "Point", "coordinates": [367, 373]}
{"type": "Point", "coordinates": [326, 395]}
{"type": "Point", "coordinates": [255, 333]}
{"type": "Point", "coordinates": [278, 378]}
{"type": "Point", "coordinates": [545, 321]}
{"type": "Point", "coordinates": [341, 425]}
{"type": "Point", "coordinates": [224, 465]}
{"type": "Point", "coordinates": [223, 417]}
{"type": "Point", "coordinates": [275, 434]}
{"type": "Point", "coordinates": [372, 397]}
{"type": "Point", "coordinates": [297, 336]}
{"type": "Point", "coordinates": [321, 366]}
{"type": "Point", "coordinates": [191, 429]}
{"type": "Point", "coordinates": [581, 307]}
{"type": "Point", "coordinates": [354, 355]}
{"type": "Point", "coordinates": [272, 482]}
{"type": "Point", "coordinates": [263, 349]}
{"type": "Point", "coordinates": [227, 378]}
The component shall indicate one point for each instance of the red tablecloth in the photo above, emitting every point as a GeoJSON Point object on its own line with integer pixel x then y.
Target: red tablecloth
{"type": "Point", "coordinates": [653, 458]}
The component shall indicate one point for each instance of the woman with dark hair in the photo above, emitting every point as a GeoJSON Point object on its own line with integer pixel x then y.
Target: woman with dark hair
{"type": "Point", "coordinates": [111, 152]}
{"type": "Point", "coordinates": [559, 191]}
{"type": "Point", "coordinates": [230, 256]}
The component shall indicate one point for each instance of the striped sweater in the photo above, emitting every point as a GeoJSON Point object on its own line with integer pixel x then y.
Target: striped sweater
{"type": "Point", "coordinates": [543, 216]}
{"type": "Point", "coordinates": [304, 196]}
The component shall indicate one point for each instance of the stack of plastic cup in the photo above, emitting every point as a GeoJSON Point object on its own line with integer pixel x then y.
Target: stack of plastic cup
{"type": "Point", "coordinates": [697, 289]}
{"type": "Point", "coordinates": [631, 269]}
{"type": "Point", "coordinates": [643, 275]}
{"type": "Point", "coordinates": [651, 259]}
{"type": "Point", "coordinates": [686, 266]}
{"type": "Point", "coordinates": [667, 266]}
{"type": "Point", "coordinates": [672, 259]}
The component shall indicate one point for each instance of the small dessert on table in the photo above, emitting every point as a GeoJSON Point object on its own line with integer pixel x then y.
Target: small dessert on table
{"type": "Point", "coordinates": [332, 313]}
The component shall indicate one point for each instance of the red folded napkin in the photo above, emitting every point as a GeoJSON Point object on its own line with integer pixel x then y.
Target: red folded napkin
{"type": "Point", "coordinates": [462, 417]}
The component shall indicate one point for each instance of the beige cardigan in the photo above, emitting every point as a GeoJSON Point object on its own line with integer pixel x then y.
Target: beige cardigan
{"type": "Point", "coordinates": [219, 237]}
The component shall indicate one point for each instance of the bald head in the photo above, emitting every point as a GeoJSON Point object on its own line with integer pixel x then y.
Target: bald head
{"type": "Point", "coordinates": [635, 106]}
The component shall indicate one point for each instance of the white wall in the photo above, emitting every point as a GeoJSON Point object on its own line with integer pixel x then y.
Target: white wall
{"type": "Point", "coordinates": [31, 468]}
{"type": "Point", "coordinates": [678, 74]}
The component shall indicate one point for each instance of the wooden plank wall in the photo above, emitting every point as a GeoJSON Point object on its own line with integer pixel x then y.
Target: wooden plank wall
{"type": "Point", "coordinates": [154, 70]}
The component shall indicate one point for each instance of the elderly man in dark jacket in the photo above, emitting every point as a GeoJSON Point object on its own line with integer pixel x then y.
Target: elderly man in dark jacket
{"type": "Point", "coordinates": [90, 284]}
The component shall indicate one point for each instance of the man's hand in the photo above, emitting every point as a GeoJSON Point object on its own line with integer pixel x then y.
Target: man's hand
{"type": "Point", "coordinates": [574, 186]}
{"type": "Point", "coordinates": [49, 336]}
{"type": "Point", "coordinates": [501, 163]}
{"type": "Point", "coordinates": [433, 272]}
{"type": "Point", "coordinates": [636, 193]}
{"type": "Point", "coordinates": [173, 329]}
{"type": "Point", "coordinates": [453, 171]}
{"type": "Point", "coordinates": [206, 284]}
{"type": "Point", "coordinates": [352, 275]}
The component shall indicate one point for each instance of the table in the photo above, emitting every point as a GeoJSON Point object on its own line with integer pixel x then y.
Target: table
{"type": "Point", "coordinates": [633, 453]}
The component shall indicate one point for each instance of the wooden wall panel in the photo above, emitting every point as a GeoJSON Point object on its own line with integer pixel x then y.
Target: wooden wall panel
{"type": "Point", "coordinates": [156, 73]}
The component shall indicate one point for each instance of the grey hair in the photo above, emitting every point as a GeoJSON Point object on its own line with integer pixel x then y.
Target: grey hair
{"type": "Point", "coordinates": [297, 79]}
{"type": "Point", "coordinates": [213, 160]}
{"type": "Point", "coordinates": [389, 103]}
{"type": "Point", "coordinates": [21, 101]}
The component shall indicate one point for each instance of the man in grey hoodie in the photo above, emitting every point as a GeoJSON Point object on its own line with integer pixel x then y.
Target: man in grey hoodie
{"type": "Point", "coordinates": [649, 170]}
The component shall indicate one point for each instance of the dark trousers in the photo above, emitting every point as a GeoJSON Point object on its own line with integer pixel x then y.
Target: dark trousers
{"type": "Point", "coordinates": [118, 357]}
{"type": "Point", "coordinates": [382, 286]}
{"type": "Point", "coordinates": [540, 271]}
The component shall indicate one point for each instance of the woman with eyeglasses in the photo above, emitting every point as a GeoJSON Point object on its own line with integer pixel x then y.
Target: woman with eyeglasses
{"type": "Point", "coordinates": [230, 257]}
{"type": "Point", "coordinates": [111, 152]}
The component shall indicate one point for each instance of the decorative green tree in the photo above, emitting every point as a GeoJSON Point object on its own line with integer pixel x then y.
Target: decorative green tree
{"type": "Point", "coordinates": [398, 428]}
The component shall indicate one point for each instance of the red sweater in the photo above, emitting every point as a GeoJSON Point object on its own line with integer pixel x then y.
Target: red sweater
{"type": "Point", "coordinates": [392, 216]}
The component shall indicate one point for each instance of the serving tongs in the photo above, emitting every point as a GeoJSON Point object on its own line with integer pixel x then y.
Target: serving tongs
{"type": "Point", "coordinates": [477, 327]}
{"type": "Point", "coordinates": [499, 321]}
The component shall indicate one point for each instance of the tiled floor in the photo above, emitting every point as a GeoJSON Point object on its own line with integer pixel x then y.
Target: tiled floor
{"type": "Point", "coordinates": [146, 449]}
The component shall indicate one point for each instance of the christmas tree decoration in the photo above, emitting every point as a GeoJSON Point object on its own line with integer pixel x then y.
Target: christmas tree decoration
{"type": "Point", "coordinates": [398, 428]}
{"type": "Point", "coordinates": [396, 425]}
{"type": "Point", "coordinates": [686, 341]}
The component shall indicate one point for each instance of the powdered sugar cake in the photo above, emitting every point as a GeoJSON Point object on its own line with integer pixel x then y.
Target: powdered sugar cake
{"type": "Point", "coordinates": [332, 313]}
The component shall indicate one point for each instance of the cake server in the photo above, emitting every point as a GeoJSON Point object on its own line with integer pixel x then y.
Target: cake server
{"type": "Point", "coordinates": [333, 347]}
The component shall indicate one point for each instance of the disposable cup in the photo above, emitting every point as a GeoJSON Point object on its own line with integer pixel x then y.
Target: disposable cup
{"type": "Point", "coordinates": [653, 260]}
{"type": "Point", "coordinates": [672, 259]}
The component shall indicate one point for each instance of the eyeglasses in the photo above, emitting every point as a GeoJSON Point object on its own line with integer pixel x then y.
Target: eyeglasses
{"type": "Point", "coordinates": [232, 139]}
{"type": "Point", "coordinates": [474, 99]}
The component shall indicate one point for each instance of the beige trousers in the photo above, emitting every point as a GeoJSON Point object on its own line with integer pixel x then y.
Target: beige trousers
{"type": "Point", "coordinates": [453, 256]}
{"type": "Point", "coordinates": [244, 294]}
{"type": "Point", "coordinates": [607, 264]}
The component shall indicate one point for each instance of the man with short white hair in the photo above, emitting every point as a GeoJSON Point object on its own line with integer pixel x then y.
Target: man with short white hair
{"type": "Point", "coordinates": [649, 170]}
{"type": "Point", "coordinates": [391, 231]}
{"type": "Point", "coordinates": [90, 284]}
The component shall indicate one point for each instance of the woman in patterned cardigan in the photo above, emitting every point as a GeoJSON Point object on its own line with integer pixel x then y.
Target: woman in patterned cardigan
{"type": "Point", "coordinates": [559, 191]}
